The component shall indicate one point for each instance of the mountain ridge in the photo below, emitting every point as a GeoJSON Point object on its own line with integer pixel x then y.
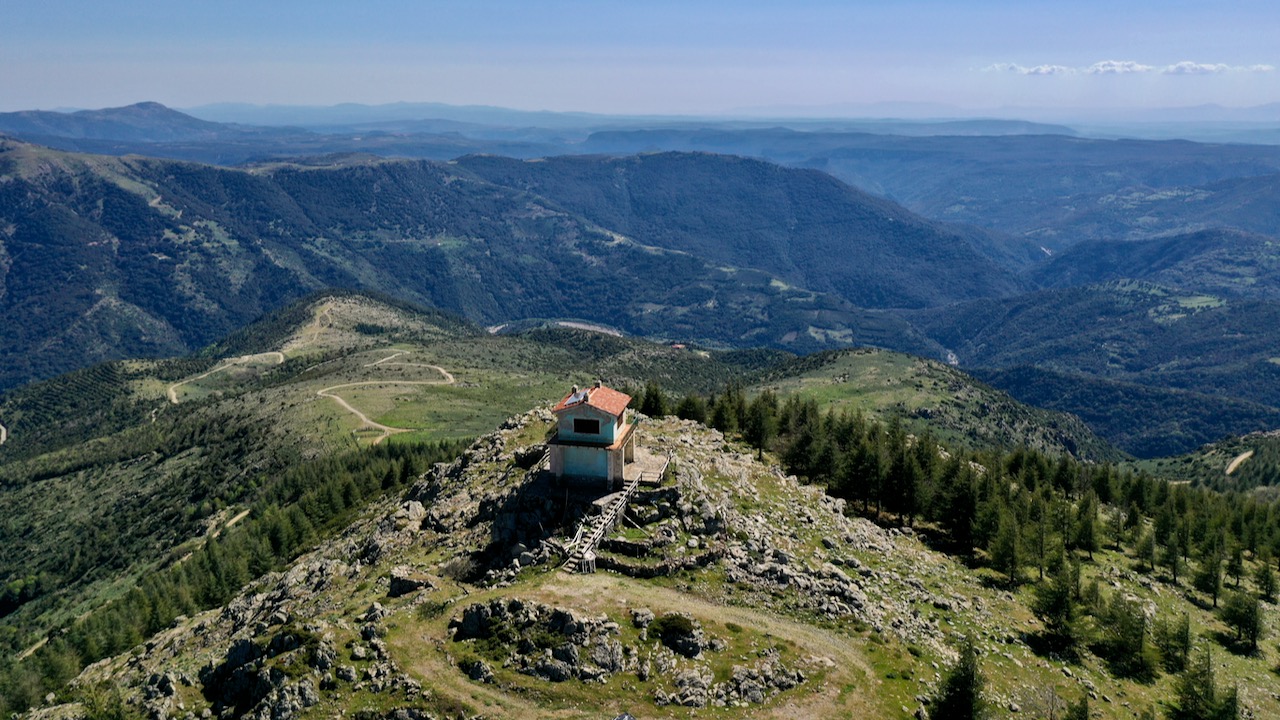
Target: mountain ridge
{"type": "Point", "coordinates": [166, 256]}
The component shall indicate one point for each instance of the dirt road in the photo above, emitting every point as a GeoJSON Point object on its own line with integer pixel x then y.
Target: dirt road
{"type": "Point", "coordinates": [1239, 460]}
{"type": "Point", "coordinates": [425, 654]}
{"type": "Point", "coordinates": [366, 422]}
{"type": "Point", "coordinates": [172, 392]}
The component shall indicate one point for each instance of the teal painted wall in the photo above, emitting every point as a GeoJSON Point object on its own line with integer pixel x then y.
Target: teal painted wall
{"type": "Point", "coordinates": [586, 461]}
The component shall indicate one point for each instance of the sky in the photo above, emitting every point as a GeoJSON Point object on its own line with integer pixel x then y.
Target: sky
{"type": "Point", "coordinates": [643, 56]}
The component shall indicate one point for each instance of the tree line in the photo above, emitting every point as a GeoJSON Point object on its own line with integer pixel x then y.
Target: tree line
{"type": "Point", "coordinates": [1035, 518]}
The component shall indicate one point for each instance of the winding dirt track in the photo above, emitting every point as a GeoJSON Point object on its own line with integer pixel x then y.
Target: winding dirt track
{"type": "Point", "coordinates": [172, 392]}
{"type": "Point", "coordinates": [604, 591]}
{"type": "Point", "coordinates": [1239, 460]}
{"type": "Point", "coordinates": [4, 434]}
{"type": "Point", "coordinates": [386, 430]}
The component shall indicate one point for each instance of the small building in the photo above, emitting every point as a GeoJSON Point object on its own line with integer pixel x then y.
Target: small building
{"type": "Point", "coordinates": [593, 438]}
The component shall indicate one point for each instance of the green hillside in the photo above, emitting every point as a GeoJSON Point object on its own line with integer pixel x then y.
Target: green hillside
{"type": "Point", "coordinates": [138, 458]}
{"type": "Point", "coordinates": [733, 589]}
{"type": "Point", "coordinates": [238, 516]}
{"type": "Point", "coordinates": [928, 395]}
{"type": "Point", "coordinates": [1241, 463]}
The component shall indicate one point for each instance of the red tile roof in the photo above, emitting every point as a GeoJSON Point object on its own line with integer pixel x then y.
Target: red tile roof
{"type": "Point", "coordinates": [601, 398]}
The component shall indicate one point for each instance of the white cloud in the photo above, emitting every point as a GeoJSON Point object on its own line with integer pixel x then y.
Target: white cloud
{"type": "Point", "coordinates": [1186, 67]}
{"type": "Point", "coordinates": [1117, 67]}
{"type": "Point", "coordinates": [1033, 70]}
{"type": "Point", "coordinates": [1128, 67]}
{"type": "Point", "coordinates": [1048, 70]}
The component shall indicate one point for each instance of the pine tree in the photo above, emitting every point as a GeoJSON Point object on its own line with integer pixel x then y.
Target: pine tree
{"type": "Point", "coordinates": [960, 510]}
{"type": "Point", "coordinates": [1209, 579]}
{"type": "Point", "coordinates": [762, 421]}
{"type": "Point", "coordinates": [1243, 613]}
{"type": "Point", "coordinates": [692, 407]}
{"type": "Point", "coordinates": [960, 697]}
{"type": "Point", "coordinates": [1126, 640]}
{"type": "Point", "coordinates": [1235, 563]}
{"type": "Point", "coordinates": [1078, 711]}
{"type": "Point", "coordinates": [1173, 557]}
{"type": "Point", "coordinates": [1004, 550]}
{"type": "Point", "coordinates": [653, 403]}
{"type": "Point", "coordinates": [1265, 578]}
{"type": "Point", "coordinates": [1086, 530]}
{"type": "Point", "coordinates": [1145, 549]}
{"type": "Point", "coordinates": [1173, 639]}
{"type": "Point", "coordinates": [1195, 690]}
{"type": "Point", "coordinates": [1055, 605]}
{"type": "Point", "coordinates": [1196, 694]}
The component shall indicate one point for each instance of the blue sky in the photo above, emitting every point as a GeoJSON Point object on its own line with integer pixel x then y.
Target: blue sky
{"type": "Point", "coordinates": [642, 56]}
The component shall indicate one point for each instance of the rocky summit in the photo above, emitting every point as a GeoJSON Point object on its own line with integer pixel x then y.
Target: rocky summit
{"type": "Point", "coordinates": [728, 585]}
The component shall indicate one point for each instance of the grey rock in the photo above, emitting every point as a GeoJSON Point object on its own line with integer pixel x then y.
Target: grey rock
{"type": "Point", "coordinates": [553, 670]}
{"type": "Point", "coordinates": [479, 671]}
{"type": "Point", "coordinates": [567, 653]}
{"type": "Point", "coordinates": [375, 613]}
{"type": "Point", "coordinates": [404, 581]}
{"type": "Point", "coordinates": [608, 655]}
{"type": "Point", "coordinates": [642, 617]}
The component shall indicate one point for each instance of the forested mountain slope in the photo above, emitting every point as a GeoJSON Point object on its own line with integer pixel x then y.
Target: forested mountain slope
{"type": "Point", "coordinates": [1054, 190]}
{"type": "Point", "coordinates": [1123, 330]}
{"type": "Point", "coordinates": [1143, 420]}
{"type": "Point", "coordinates": [800, 225]}
{"type": "Point", "coordinates": [1216, 262]}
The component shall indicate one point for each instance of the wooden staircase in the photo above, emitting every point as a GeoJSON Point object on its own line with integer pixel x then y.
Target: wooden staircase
{"type": "Point", "coordinates": [582, 548]}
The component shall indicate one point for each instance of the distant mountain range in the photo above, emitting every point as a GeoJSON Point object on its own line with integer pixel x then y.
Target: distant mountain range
{"type": "Point", "coordinates": [116, 257]}
{"type": "Point", "coordinates": [1033, 181]}
{"type": "Point", "coordinates": [144, 122]}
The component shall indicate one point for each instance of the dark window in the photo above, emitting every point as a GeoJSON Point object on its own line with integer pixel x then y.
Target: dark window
{"type": "Point", "coordinates": [582, 426]}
